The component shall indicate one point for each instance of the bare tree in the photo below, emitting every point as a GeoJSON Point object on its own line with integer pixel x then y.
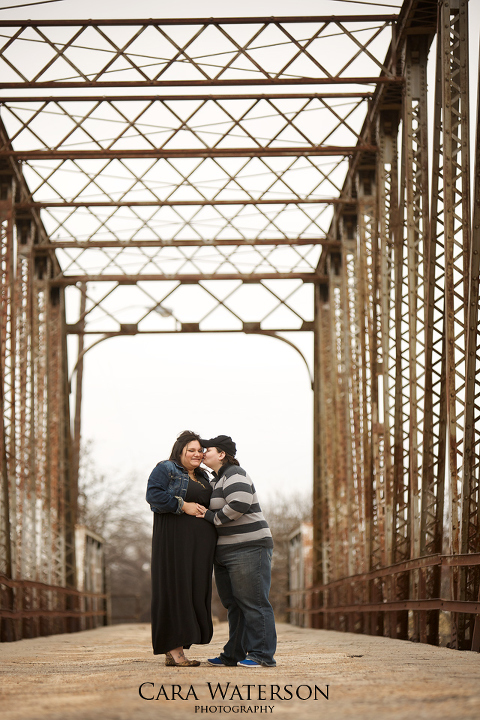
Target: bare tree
{"type": "Point", "coordinates": [112, 510]}
{"type": "Point", "coordinates": [284, 515]}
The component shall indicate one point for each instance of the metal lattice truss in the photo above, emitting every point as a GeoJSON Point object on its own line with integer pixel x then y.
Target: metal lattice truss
{"type": "Point", "coordinates": [399, 333]}
{"type": "Point", "coordinates": [194, 52]}
{"type": "Point", "coordinates": [213, 196]}
{"type": "Point", "coordinates": [158, 191]}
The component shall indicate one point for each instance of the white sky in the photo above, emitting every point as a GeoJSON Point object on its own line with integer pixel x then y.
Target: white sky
{"type": "Point", "coordinates": [140, 392]}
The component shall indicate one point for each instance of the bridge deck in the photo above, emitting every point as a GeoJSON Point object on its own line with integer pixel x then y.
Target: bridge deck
{"type": "Point", "coordinates": [97, 674]}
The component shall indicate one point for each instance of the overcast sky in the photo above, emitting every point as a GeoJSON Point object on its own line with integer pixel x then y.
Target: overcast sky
{"type": "Point", "coordinates": [140, 392]}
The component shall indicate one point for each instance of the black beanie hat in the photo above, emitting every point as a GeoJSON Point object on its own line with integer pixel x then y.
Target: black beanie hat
{"type": "Point", "coordinates": [222, 442]}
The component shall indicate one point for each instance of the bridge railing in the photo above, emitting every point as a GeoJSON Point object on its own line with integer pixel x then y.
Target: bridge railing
{"type": "Point", "coordinates": [366, 603]}
{"type": "Point", "coordinates": [29, 608]}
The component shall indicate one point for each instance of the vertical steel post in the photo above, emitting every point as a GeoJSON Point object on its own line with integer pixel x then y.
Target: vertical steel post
{"type": "Point", "coordinates": [454, 39]}
{"type": "Point", "coordinates": [7, 508]}
{"type": "Point", "coordinates": [317, 620]}
{"type": "Point", "coordinates": [323, 449]}
{"type": "Point", "coordinates": [417, 223]}
{"type": "Point", "coordinates": [387, 181]}
{"type": "Point", "coordinates": [401, 507]}
{"type": "Point", "coordinates": [328, 423]}
{"type": "Point", "coordinates": [69, 479]}
{"type": "Point", "coordinates": [24, 417]}
{"type": "Point", "coordinates": [434, 442]}
{"type": "Point", "coordinates": [347, 238]}
{"type": "Point", "coordinates": [470, 537]}
{"type": "Point", "coordinates": [76, 440]}
{"type": "Point", "coordinates": [358, 555]}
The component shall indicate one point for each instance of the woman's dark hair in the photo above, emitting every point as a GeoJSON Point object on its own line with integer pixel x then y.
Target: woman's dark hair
{"type": "Point", "coordinates": [228, 459]}
{"type": "Point", "coordinates": [183, 439]}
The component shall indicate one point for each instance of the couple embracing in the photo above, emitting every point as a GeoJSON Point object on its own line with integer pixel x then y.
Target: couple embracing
{"type": "Point", "coordinates": [198, 523]}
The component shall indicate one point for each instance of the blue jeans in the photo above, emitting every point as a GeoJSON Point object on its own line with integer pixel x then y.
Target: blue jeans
{"type": "Point", "coordinates": [242, 575]}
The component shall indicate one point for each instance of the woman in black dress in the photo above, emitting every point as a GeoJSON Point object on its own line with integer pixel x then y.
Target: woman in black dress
{"type": "Point", "coordinates": [183, 547]}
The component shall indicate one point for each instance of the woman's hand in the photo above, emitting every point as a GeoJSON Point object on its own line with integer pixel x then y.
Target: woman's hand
{"type": "Point", "coordinates": [201, 510]}
{"type": "Point", "coordinates": [190, 508]}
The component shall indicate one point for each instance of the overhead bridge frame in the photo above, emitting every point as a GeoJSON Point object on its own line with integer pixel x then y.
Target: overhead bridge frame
{"type": "Point", "coordinates": [322, 195]}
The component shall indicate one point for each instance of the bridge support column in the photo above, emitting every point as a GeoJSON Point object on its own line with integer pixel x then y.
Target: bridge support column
{"type": "Point", "coordinates": [456, 246]}
{"type": "Point", "coordinates": [8, 628]}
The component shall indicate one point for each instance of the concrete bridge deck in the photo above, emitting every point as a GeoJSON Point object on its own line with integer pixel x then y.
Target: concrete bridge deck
{"type": "Point", "coordinates": [95, 675]}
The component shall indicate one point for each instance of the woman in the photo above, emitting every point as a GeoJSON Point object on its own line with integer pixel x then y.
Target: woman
{"type": "Point", "coordinates": [242, 560]}
{"type": "Point", "coordinates": [182, 552]}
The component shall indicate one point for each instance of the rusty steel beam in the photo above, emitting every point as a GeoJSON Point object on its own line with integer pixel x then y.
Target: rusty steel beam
{"type": "Point", "coordinates": [60, 244]}
{"type": "Point", "coordinates": [76, 440]}
{"type": "Point", "coordinates": [179, 54]}
{"type": "Point", "coordinates": [352, 430]}
{"type": "Point", "coordinates": [132, 329]}
{"type": "Point", "coordinates": [7, 482]}
{"type": "Point", "coordinates": [422, 563]}
{"type": "Point", "coordinates": [184, 278]}
{"type": "Point", "coordinates": [434, 428]}
{"type": "Point", "coordinates": [387, 181]}
{"type": "Point", "coordinates": [8, 582]}
{"type": "Point", "coordinates": [125, 22]}
{"type": "Point", "coordinates": [180, 203]}
{"type": "Point", "coordinates": [359, 80]}
{"type": "Point", "coordinates": [184, 98]}
{"type": "Point", "coordinates": [457, 249]}
{"type": "Point", "coordinates": [318, 494]}
{"type": "Point", "coordinates": [397, 407]}
{"type": "Point", "coordinates": [366, 267]}
{"type": "Point", "coordinates": [346, 369]}
{"type": "Point", "coordinates": [108, 154]}
{"type": "Point", "coordinates": [323, 549]}
{"type": "Point", "coordinates": [420, 605]}
{"type": "Point", "coordinates": [8, 362]}
{"type": "Point", "coordinates": [54, 614]}
{"type": "Point", "coordinates": [470, 534]}
{"type": "Point", "coordinates": [471, 510]}
{"type": "Point", "coordinates": [416, 230]}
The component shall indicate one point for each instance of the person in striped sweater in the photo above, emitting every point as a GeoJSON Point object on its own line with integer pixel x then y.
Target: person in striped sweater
{"type": "Point", "coordinates": [243, 558]}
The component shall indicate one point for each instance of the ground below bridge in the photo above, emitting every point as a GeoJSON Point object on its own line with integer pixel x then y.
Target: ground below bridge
{"type": "Point", "coordinates": [96, 675]}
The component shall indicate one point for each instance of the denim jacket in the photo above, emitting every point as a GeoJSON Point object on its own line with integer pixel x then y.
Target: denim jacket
{"type": "Point", "coordinates": [167, 487]}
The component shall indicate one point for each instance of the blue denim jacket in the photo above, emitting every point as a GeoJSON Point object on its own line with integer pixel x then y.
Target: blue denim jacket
{"type": "Point", "coordinates": [167, 487]}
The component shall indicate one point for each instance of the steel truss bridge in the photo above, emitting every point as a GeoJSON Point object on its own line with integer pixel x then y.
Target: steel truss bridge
{"type": "Point", "coordinates": [199, 168]}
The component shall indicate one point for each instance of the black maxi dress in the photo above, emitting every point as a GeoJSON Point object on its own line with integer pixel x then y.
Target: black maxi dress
{"type": "Point", "coordinates": [183, 547]}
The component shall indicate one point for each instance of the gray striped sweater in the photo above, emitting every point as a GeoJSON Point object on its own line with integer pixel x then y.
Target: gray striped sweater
{"type": "Point", "coordinates": [235, 510]}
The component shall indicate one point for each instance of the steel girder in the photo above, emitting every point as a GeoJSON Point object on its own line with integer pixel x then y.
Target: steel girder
{"type": "Point", "coordinates": [36, 495]}
{"type": "Point", "coordinates": [409, 280]}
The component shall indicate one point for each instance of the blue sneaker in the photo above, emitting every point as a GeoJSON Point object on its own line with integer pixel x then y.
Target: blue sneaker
{"type": "Point", "coordinates": [249, 663]}
{"type": "Point", "coordinates": [216, 661]}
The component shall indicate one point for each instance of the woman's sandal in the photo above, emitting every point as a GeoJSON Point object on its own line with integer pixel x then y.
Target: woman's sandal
{"type": "Point", "coordinates": [169, 661]}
